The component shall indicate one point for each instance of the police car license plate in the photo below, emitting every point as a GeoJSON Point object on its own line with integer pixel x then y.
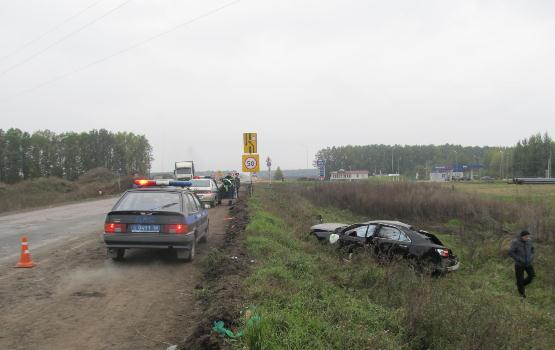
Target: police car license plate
{"type": "Point", "coordinates": [141, 228]}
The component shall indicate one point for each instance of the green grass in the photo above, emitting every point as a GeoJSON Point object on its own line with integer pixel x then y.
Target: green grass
{"type": "Point", "coordinates": [310, 297]}
{"type": "Point", "coordinates": [301, 309]}
{"type": "Point", "coordinates": [510, 192]}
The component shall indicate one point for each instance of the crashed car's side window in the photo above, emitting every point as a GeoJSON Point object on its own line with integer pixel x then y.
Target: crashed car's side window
{"type": "Point", "coordinates": [371, 230]}
{"type": "Point", "coordinates": [361, 231]}
{"type": "Point", "coordinates": [389, 233]}
{"type": "Point", "coordinates": [403, 237]}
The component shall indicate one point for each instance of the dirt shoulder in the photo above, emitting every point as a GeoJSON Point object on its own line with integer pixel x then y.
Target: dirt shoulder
{"type": "Point", "coordinates": [224, 271]}
{"type": "Point", "coordinates": [77, 298]}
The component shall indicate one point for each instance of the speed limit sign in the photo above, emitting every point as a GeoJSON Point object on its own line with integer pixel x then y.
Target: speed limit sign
{"type": "Point", "coordinates": [251, 163]}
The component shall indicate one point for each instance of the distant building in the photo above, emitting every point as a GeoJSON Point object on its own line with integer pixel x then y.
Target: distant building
{"type": "Point", "coordinates": [442, 173]}
{"type": "Point", "coordinates": [456, 172]}
{"type": "Point", "coordinates": [349, 175]}
{"type": "Point", "coordinates": [439, 176]}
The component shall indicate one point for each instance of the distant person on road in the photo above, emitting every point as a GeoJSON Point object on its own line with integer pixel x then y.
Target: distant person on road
{"type": "Point", "coordinates": [229, 187]}
{"type": "Point", "coordinates": [522, 252]}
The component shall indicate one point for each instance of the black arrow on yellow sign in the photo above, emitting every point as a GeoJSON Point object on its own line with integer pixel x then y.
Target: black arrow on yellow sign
{"type": "Point", "coordinates": [249, 142]}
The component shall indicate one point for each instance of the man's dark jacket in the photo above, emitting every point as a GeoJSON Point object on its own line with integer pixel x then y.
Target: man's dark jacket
{"type": "Point", "coordinates": [522, 252]}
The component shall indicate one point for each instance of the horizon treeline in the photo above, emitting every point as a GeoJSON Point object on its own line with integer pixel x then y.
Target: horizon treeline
{"type": "Point", "coordinates": [68, 155]}
{"type": "Point", "coordinates": [529, 157]}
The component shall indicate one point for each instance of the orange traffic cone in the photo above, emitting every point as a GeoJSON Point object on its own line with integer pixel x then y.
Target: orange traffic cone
{"type": "Point", "coordinates": [25, 259]}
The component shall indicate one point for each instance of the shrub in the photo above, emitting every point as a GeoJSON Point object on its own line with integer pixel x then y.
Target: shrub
{"type": "Point", "coordinates": [97, 175]}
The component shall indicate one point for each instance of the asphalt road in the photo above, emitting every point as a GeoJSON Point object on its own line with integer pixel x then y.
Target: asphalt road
{"type": "Point", "coordinates": [49, 225]}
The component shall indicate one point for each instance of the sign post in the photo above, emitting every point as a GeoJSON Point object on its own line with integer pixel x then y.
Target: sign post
{"type": "Point", "coordinates": [269, 164]}
{"type": "Point", "coordinates": [251, 159]}
{"type": "Point", "coordinates": [321, 163]}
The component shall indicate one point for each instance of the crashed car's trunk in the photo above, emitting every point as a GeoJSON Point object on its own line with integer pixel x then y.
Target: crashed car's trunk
{"type": "Point", "coordinates": [432, 237]}
{"type": "Point", "coordinates": [323, 231]}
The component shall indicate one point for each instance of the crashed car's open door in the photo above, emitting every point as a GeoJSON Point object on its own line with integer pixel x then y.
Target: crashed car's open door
{"type": "Point", "coordinates": [390, 241]}
{"type": "Point", "coordinates": [357, 234]}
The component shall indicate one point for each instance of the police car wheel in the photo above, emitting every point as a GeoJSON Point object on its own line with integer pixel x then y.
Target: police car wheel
{"type": "Point", "coordinates": [116, 254]}
{"type": "Point", "coordinates": [187, 254]}
{"type": "Point", "coordinates": [204, 238]}
{"type": "Point", "coordinates": [193, 250]}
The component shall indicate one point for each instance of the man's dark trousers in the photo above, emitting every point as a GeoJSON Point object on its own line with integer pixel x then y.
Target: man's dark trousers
{"type": "Point", "coordinates": [522, 282]}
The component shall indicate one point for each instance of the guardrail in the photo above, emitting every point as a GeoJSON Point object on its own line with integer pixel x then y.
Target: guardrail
{"type": "Point", "coordinates": [533, 181]}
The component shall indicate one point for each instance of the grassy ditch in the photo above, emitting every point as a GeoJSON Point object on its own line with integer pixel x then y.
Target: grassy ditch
{"type": "Point", "coordinates": [53, 190]}
{"type": "Point", "coordinates": [543, 194]}
{"type": "Point", "coordinates": [311, 297]}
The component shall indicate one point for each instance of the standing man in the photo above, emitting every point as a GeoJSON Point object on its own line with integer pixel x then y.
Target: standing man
{"type": "Point", "coordinates": [229, 188]}
{"type": "Point", "coordinates": [522, 252]}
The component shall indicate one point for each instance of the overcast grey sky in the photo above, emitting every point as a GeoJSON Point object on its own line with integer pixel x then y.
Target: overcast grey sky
{"type": "Point", "coordinates": [303, 74]}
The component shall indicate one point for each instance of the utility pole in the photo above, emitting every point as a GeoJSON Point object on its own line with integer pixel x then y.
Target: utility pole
{"type": "Point", "coordinates": [501, 165]}
{"type": "Point", "coordinates": [306, 152]}
{"type": "Point", "coordinates": [549, 165]}
{"type": "Point", "coordinates": [392, 164]}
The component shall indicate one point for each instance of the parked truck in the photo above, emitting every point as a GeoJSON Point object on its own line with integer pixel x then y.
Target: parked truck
{"type": "Point", "coordinates": [184, 170]}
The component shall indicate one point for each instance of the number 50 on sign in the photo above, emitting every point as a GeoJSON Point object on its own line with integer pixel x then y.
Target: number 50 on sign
{"type": "Point", "coordinates": [251, 163]}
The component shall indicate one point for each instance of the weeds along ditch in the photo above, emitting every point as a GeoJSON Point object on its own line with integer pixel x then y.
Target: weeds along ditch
{"type": "Point", "coordinates": [433, 203]}
{"type": "Point", "coordinates": [311, 297]}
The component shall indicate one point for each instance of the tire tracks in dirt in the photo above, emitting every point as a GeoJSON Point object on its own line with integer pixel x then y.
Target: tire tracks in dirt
{"type": "Point", "coordinates": [76, 298]}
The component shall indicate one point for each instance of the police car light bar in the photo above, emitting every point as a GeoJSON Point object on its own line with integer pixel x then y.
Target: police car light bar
{"type": "Point", "coordinates": [147, 183]}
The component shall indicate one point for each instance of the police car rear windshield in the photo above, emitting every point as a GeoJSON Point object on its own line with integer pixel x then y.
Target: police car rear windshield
{"type": "Point", "coordinates": [200, 183]}
{"type": "Point", "coordinates": [149, 201]}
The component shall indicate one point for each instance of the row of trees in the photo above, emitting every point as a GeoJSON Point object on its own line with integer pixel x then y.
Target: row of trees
{"type": "Point", "coordinates": [531, 156]}
{"type": "Point", "coordinates": [528, 158]}
{"type": "Point", "coordinates": [68, 155]}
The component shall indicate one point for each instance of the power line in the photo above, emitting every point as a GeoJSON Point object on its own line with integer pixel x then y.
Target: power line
{"type": "Point", "coordinates": [56, 27]}
{"type": "Point", "coordinates": [129, 48]}
{"type": "Point", "coordinates": [64, 38]}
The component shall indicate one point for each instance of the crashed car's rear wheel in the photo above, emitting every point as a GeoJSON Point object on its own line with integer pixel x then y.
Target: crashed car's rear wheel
{"type": "Point", "coordinates": [427, 266]}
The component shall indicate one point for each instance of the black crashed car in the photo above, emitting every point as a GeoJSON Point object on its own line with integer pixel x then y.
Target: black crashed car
{"type": "Point", "coordinates": [391, 238]}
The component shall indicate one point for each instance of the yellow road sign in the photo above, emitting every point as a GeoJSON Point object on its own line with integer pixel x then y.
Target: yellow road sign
{"type": "Point", "coordinates": [249, 142]}
{"type": "Point", "coordinates": [251, 163]}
